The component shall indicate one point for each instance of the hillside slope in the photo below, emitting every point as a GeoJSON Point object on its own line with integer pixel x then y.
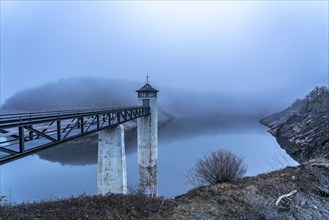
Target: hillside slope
{"type": "Point", "coordinates": [256, 197]}
{"type": "Point", "coordinates": [303, 128]}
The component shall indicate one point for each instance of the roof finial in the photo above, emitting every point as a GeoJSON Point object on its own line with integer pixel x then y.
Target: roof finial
{"type": "Point", "coordinates": [147, 78]}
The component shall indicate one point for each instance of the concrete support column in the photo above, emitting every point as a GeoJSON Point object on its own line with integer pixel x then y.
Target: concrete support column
{"type": "Point", "coordinates": [147, 138]}
{"type": "Point", "coordinates": [112, 171]}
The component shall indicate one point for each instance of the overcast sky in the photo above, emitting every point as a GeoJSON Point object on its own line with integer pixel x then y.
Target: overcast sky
{"type": "Point", "coordinates": [237, 46]}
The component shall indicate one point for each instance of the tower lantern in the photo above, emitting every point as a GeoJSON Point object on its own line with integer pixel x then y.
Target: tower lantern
{"type": "Point", "coordinates": [146, 93]}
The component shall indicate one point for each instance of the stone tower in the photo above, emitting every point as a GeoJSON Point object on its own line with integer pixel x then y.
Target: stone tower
{"type": "Point", "coordinates": [147, 140]}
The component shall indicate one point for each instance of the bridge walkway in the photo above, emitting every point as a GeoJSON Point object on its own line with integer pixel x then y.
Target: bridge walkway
{"type": "Point", "coordinates": [27, 133]}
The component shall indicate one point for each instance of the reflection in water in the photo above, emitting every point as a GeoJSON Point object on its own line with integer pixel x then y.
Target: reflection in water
{"type": "Point", "coordinates": [84, 150]}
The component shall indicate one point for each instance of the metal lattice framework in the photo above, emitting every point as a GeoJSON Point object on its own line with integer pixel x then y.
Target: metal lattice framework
{"type": "Point", "coordinates": [27, 133]}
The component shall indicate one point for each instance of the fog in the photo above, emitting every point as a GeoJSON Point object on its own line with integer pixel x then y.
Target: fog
{"type": "Point", "coordinates": [91, 93]}
{"type": "Point", "coordinates": [252, 53]}
{"type": "Point", "coordinates": [195, 113]}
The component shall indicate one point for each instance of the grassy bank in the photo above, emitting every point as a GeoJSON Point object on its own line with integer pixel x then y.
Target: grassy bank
{"type": "Point", "coordinates": [250, 198]}
{"type": "Point", "coordinates": [91, 207]}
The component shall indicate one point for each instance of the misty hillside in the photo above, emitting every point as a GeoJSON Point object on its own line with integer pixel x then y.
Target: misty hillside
{"type": "Point", "coordinates": [74, 94]}
{"type": "Point", "coordinates": [87, 92]}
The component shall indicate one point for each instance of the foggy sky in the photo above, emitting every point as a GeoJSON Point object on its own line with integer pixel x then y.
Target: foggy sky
{"type": "Point", "coordinates": [238, 47]}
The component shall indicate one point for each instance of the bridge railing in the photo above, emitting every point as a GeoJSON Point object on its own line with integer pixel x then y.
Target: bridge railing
{"type": "Point", "coordinates": [26, 133]}
{"type": "Point", "coordinates": [12, 120]}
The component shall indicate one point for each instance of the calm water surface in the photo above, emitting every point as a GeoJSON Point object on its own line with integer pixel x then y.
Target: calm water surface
{"type": "Point", "coordinates": [63, 172]}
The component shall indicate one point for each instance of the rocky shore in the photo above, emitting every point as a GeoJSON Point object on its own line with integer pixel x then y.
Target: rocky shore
{"type": "Point", "coordinates": [303, 128]}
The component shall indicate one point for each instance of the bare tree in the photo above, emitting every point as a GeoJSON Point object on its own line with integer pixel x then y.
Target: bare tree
{"type": "Point", "coordinates": [220, 166]}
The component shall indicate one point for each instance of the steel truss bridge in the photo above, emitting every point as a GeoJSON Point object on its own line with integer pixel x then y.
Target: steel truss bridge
{"type": "Point", "coordinates": [27, 133]}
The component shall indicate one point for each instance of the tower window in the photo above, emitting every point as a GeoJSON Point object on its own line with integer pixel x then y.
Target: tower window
{"type": "Point", "coordinates": [147, 94]}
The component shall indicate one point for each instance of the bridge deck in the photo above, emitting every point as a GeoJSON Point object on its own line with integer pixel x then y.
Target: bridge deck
{"type": "Point", "coordinates": [27, 133]}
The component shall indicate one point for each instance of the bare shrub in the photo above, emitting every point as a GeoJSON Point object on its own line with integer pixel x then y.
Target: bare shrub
{"type": "Point", "coordinates": [218, 167]}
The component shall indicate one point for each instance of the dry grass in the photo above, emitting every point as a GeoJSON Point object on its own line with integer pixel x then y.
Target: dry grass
{"type": "Point", "coordinates": [91, 207]}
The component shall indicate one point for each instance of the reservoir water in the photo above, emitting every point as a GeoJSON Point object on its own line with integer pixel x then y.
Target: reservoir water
{"type": "Point", "coordinates": [71, 169]}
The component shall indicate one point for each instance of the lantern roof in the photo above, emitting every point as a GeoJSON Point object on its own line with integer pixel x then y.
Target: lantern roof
{"type": "Point", "coordinates": [147, 88]}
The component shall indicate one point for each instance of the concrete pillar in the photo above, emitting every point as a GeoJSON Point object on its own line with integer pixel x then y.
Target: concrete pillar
{"type": "Point", "coordinates": [147, 139]}
{"type": "Point", "coordinates": [112, 171]}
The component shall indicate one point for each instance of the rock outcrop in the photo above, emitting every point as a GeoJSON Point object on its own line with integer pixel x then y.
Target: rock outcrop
{"type": "Point", "coordinates": [303, 128]}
